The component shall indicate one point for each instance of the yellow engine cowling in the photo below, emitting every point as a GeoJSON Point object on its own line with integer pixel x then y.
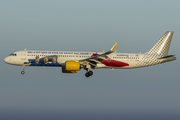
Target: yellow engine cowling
{"type": "Point", "coordinates": [71, 67]}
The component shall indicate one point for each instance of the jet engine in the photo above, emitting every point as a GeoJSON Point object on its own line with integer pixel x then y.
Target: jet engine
{"type": "Point", "coordinates": [71, 67]}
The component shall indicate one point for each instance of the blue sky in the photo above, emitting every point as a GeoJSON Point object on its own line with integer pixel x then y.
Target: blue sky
{"type": "Point", "coordinates": [84, 25]}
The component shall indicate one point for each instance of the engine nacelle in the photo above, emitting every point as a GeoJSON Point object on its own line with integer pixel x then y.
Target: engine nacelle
{"type": "Point", "coordinates": [71, 67]}
{"type": "Point", "coordinates": [65, 71]}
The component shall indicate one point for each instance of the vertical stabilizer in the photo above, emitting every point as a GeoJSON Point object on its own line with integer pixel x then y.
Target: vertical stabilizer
{"type": "Point", "coordinates": [163, 45]}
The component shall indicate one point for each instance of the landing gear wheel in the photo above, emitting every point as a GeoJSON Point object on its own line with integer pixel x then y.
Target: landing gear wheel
{"type": "Point", "coordinates": [90, 73]}
{"type": "Point", "coordinates": [22, 72]}
{"type": "Point", "coordinates": [87, 74]}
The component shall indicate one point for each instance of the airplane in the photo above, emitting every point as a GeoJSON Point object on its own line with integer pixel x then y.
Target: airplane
{"type": "Point", "coordinates": [73, 61]}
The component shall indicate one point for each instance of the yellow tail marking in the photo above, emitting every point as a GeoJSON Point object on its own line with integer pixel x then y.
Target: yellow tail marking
{"type": "Point", "coordinates": [103, 51]}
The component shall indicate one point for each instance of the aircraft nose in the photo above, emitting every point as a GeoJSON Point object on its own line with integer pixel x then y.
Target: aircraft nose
{"type": "Point", "coordinates": [6, 60]}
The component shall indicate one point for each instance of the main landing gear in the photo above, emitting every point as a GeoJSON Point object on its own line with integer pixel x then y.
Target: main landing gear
{"type": "Point", "coordinates": [22, 72]}
{"type": "Point", "coordinates": [88, 73]}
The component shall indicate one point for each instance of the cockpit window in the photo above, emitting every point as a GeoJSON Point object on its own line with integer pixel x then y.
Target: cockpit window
{"type": "Point", "coordinates": [13, 54]}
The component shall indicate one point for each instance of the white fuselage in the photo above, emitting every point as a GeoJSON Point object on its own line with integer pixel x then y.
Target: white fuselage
{"type": "Point", "coordinates": [22, 57]}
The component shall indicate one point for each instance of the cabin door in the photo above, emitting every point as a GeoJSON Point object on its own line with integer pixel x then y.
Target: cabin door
{"type": "Point", "coordinates": [23, 55]}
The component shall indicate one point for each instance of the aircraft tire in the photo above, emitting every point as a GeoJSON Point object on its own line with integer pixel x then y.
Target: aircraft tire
{"type": "Point", "coordinates": [22, 72]}
{"type": "Point", "coordinates": [87, 74]}
{"type": "Point", "coordinates": [90, 73]}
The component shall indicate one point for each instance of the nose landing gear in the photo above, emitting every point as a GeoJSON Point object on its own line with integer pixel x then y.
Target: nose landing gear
{"type": "Point", "coordinates": [22, 72]}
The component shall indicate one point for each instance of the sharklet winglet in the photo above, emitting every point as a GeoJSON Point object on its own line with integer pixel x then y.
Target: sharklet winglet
{"type": "Point", "coordinates": [114, 47]}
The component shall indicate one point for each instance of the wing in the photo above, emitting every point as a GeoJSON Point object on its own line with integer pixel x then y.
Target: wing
{"type": "Point", "coordinates": [97, 58]}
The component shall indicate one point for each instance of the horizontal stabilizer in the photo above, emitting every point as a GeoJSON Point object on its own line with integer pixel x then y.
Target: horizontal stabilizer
{"type": "Point", "coordinates": [168, 56]}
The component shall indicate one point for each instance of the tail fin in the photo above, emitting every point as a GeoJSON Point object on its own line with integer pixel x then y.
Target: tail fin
{"type": "Point", "coordinates": [163, 45]}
